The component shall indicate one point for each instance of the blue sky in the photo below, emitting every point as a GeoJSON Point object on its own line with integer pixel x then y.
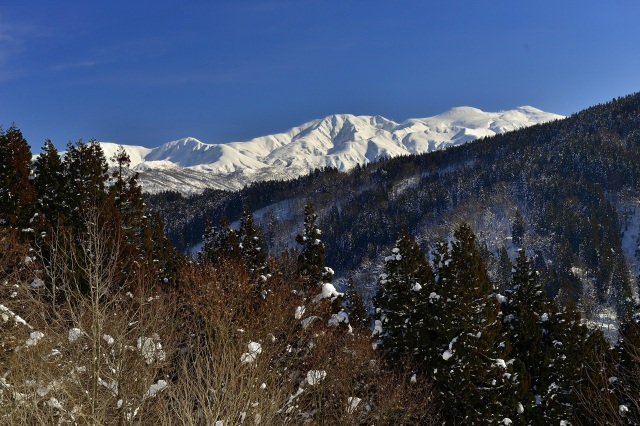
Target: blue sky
{"type": "Point", "coordinates": [147, 72]}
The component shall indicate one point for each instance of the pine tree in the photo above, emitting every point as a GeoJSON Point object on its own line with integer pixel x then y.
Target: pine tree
{"type": "Point", "coordinates": [557, 391]}
{"type": "Point", "coordinates": [503, 275]}
{"type": "Point", "coordinates": [406, 272]}
{"type": "Point", "coordinates": [49, 183]}
{"type": "Point", "coordinates": [252, 246]}
{"type": "Point", "coordinates": [167, 259]}
{"type": "Point", "coordinates": [311, 261]}
{"type": "Point", "coordinates": [85, 179]}
{"type": "Point", "coordinates": [16, 190]}
{"type": "Point", "coordinates": [355, 305]}
{"type": "Point", "coordinates": [525, 315]}
{"type": "Point", "coordinates": [220, 244]}
{"type": "Point", "coordinates": [122, 161]}
{"type": "Point", "coordinates": [517, 229]}
{"type": "Point", "coordinates": [628, 387]}
{"type": "Point", "coordinates": [208, 242]}
{"type": "Point", "coordinates": [126, 195]}
{"type": "Point", "coordinates": [476, 380]}
{"type": "Point", "coordinates": [228, 243]}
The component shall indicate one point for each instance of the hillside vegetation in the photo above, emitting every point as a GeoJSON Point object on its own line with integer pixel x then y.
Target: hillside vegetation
{"type": "Point", "coordinates": [451, 287]}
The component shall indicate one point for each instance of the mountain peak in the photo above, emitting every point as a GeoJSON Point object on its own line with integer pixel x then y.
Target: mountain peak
{"type": "Point", "coordinates": [339, 140]}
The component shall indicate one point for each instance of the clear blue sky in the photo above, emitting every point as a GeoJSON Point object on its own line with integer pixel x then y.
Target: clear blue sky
{"type": "Point", "coordinates": [147, 72]}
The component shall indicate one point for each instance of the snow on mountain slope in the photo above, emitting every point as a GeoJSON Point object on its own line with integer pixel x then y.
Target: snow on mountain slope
{"type": "Point", "coordinates": [190, 152]}
{"type": "Point", "coordinates": [136, 154]}
{"type": "Point", "coordinates": [341, 141]}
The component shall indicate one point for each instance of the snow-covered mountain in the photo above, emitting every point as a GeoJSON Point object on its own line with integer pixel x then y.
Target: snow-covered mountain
{"type": "Point", "coordinates": [341, 141]}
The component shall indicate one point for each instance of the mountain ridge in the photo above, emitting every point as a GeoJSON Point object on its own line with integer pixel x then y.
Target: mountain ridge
{"type": "Point", "coordinates": [339, 141]}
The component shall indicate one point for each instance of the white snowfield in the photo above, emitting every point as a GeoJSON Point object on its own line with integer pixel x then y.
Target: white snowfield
{"type": "Point", "coordinates": [341, 141]}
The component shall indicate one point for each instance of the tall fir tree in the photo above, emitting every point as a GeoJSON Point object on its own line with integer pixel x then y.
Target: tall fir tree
{"type": "Point", "coordinates": [166, 258]}
{"type": "Point", "coordinates": [355, 305]}
{"type": "Point", "coordinates": [311, 261]}
{"type": "Point", "coordinates": [504, 267]}
{"type": "Point", "coordinates": [252, 246]}
{"type": "Point", "coordinates": [220, 244]}
{"type": "Point", "coordinates": [126, 195]}
{"type": "Point", "coordinates": [49, 184]}
{"type": "Point", "coordinates": [525, 316]}
{"type": "Point", "coordinates": [86, 175]}
{"type": "Point", "coordinates": [572, 355]}
{"type": "Point", "coordinates": [406, 273]}
{"type": "Point", "coordinates": [429, 316]}
{"type": "Point", "coordinates": [628, 387]}
{"type": "Point", "coordinates": [475, 379]}
{"type": "Point", "coordinates": [16, 190]}
{"type": "Point", "coordinates": [517, 229]}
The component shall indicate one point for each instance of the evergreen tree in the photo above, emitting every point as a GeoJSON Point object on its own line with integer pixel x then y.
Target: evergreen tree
{"type": "Point", "coordinates": [16, 191]}
{"type": "Point", "coordinates": [252, 247]}
{"type": "Point", "coordinates": [628, 386]}
{"type": "Point", "coordinates": [557, 390]}
{"type": "Point", "coordinates": [406, 272]}
{"type": "Point", "coordinates": [220, 244]}
{"type": "Point", "coordinates": [208, 242]}
{"type": "Point", "coordinates": [311, 261]}
{"type": "Point", "coordinates": [429, 316]}
{"type": "Point", "coordinates": [355, 305]}
{"type": "Point", "coordinates": [49, 183]}
{"type": "Point", "coordinates": [475, 379]}
{"type": "Point", "coordinates": [122, 162]}
{"type": "Point", "coordinates": [517, 229]}
{"type": "Point", "coordinates": [503, 274]}
{"type": "Point", "coordinates": [85, 179]}
{"type": "Point", "coordinates": [228, 244]}
{"type": "Point", "coordinates": [126, 195]}
{"type": "Point", "coordinates": [166, 258]}
{"type": "Point", "coordinates": [525, 315]}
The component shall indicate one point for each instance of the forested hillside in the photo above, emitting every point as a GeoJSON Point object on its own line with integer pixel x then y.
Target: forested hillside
{"type": "Point", "coordinates": [565, 191]}
{"type": "Point", "coordinates": [103, 322]}
{"type": "Point", "coordinates": [445, 288]}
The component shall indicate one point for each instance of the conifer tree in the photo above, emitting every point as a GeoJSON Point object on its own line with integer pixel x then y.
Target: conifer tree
{"type": "Point", "coordinates": [126, 195]}
{"type": "Point", "coordinates": [525, 315]}
{"type": "Point", "coordinates": [166, 258]}
{"type": "Point", "coordinates": [526, 312]}
{"type": "Point", "coordinates": [517, 229]}
{"type": "Point", "coordinates": [565, 363]}
{"type": "Point", "coordinates": [208, 242]}
{"type": "Point", "coordinates": [122, 162]}
{"type": "Point", "coordinates": [355, 305]}
{"type": "Point", "coordinates": [252, 247]}
{"type": "Point", "coordinates": [406, 272]}
{"type": "Point", "coordinates": [49, 183]}
{"type": "Point", "coordinates": [503, 274]}
{"type": "Point", "coordinates": [429, 316]}
{"type": "Point", "coordinates": [628, 387]}
{"type": "Point", "coordinates": [476, 380]}
{"type": "Point", "coordinates": [86, 175]}
{"type": "Point", "coordinates": [228, 244]}
{"type": "Point", "coordinates": [16, 191]}
{"type": "Point", "coordinates": [311, 261]}
{"type": "Point", "coordinates": [220, 244]}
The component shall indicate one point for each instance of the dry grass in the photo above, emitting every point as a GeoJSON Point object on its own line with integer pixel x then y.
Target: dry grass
{"type": "Point", "coordinates": [217, 350]}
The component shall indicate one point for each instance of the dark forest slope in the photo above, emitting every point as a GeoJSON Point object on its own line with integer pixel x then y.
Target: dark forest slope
{"type": "Point", "coordinates": [566, 191]}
